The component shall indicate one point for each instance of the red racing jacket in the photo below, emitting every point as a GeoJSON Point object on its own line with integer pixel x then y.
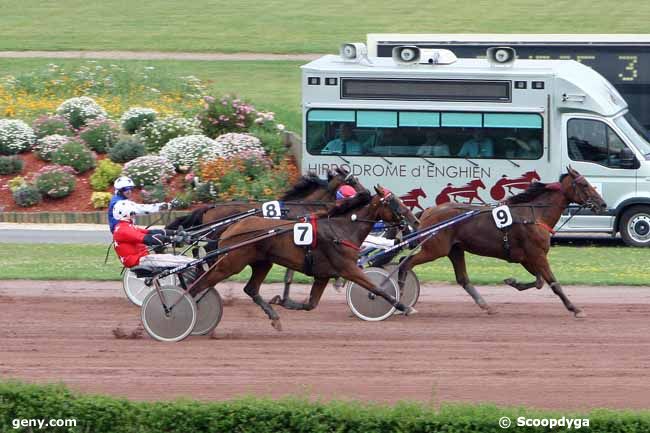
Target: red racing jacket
{"type": "Point", "coordinates": [129, 243]}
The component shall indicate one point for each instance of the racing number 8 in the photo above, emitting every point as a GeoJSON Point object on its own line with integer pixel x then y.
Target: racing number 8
{"type": "Point", "coordinates": [271, 209]}
{"type": "Point", "coordinates": [502, 217]}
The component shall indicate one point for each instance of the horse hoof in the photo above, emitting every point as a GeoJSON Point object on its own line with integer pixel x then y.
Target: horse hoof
{"type": "Point", "coordinates": [277, 300]}
{"type": "Point", "coordinates": [491, 311]}
{"type": "Point", "coordinates": [410, 311]}
{"type": "Point", "coordinates": [276, 324]}
{"type": "Point", "coordinates": [580, 314]}
{"type": "Point", "coordinates": [510, 281]}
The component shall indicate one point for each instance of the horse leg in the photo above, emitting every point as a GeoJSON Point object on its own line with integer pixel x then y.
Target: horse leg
{"type": "Point", "coordinates": [338, 284]}
{"type": "Point", "coordinates": [252, 289]}
{"type": "Point", "coordinates": [539, 281]}
{"type": "Point", "coordinates": [288, 279]}
{"type": "Point", "coordinates": [545, 270]}
{"type": "Point", "coordinates": [356, 275]}
{"type": "Point", "coordinates": [315, 294]}
{"type": "Point", "coordinates": [457, 257]}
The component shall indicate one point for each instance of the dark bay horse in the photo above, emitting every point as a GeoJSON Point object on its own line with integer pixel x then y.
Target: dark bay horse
{"type": "Point", "coordinates": [527, 241]}
{"type": "Point", "coordinates": [309, 188]}
{"type": "Point", "coordinates": [339, 234]}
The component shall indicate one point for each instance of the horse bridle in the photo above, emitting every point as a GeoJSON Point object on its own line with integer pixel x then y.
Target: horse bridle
{"type": "Point", "coordinates": [392, 202]}
{"type": "Point", "coordinates": [580, 194]}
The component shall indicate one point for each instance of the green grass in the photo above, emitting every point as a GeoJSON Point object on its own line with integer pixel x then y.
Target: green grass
{"type": "Point", "coordinates": [272, 86]}
{"type": "Point", "coordinates": [291, 26]}
{"type": "Point", "coordinates": [571, 265]}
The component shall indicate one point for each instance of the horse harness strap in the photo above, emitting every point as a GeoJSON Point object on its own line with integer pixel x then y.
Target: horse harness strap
{"type": "Point", "coordinates": [546, 227]}
{"type": "Point", "coordinates": [308, 265]}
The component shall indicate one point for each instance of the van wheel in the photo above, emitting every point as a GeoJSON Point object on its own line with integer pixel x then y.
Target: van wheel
{"type": "Point", "coordinates": [635, 226]}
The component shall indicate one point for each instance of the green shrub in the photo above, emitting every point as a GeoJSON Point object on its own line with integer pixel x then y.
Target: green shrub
{"type": "Point", "coordinates": [10, 165]}
{"type": "Point", "coordinates": [102, 414]}
{"type": "Point", "coordinates": [126, 149]}
{"type": "Point", "coordinates": [105, 174]}
{"type": "Point", "coordinates": [228, 114]}
{"type": "Point", "coordinates": [79, 111]}
{"type": "Point", "coordinates": [74, 154]}
{"type": "Point", "coordinates": [27, 195]}
{"type": "Point", "coordinates": [99, 135]}
{"type": "Point", "coordinates": [156, 134]}
{"type": "Point", "coordinates": [52, 125]}
{"type": "Point", "coordinates": [15, 137]}
{"type": "Point", "coordinates": [153, 193]}
{"type": "Point", "coordinates": [47, 145]}
{"type": "Point", "coordinates": [137, 117]}
{"type": "Point", "coordinates": [149, 170]}
{"type": "Point", "coordinates": [55, 182]}
{"type": "Point", "coordinates": [100, 200]}
{"type": "Point", "coordinates": [183, 200]}
{"type": "Point", "coordinates": [206, 192]}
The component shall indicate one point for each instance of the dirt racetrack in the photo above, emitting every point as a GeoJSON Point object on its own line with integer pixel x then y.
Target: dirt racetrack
{"type": "Point", "coordinates": [532, 353]}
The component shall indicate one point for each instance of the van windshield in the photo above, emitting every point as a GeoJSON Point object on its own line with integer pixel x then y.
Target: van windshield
{"type": "Point", "coordinates": [636, 132]}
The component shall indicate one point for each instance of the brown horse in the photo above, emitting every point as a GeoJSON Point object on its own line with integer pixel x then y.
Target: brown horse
{"type": "Point", "coordinates": [527, 241]}
{"type": "Point", "coordinates": [334, 253]}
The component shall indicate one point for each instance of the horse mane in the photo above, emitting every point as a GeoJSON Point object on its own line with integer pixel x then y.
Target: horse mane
{"type": "Point", "coordinates": [195, 218]}
{"type": "Point", "coordinates": [360, 199]}
{"type": "Point", "coordinates": [307, 184]}
{"type": "Point", "coordinates": [532, 192]}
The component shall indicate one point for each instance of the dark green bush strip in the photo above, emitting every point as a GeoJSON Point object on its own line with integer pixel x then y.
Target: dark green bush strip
{"type": "Point", "coordinates": [100, 414]}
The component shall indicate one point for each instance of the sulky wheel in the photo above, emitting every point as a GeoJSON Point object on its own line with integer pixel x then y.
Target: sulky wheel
{"type": "Point", "coordinates": [411, 291]}
{"type": "Point", "coordinates": [136, 290]}
{"type": "Point", "coordinates": [210, 310]}
{"type": "Point", "coordinates": [367, 306]}
{"type": "Point", "coordinates": [174, 324]}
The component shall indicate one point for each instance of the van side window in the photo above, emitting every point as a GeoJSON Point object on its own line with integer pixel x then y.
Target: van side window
{"type": "Point", "coordinates": [428, 134]}
{"type": "Point", "coordinates": [594, 141]}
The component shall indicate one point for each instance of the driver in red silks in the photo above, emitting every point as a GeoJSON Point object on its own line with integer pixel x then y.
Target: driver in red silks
{"type": "Point", "coordinates": [131, 242]}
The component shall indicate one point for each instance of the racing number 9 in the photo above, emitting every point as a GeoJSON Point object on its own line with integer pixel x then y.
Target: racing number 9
{"type": "Point", "coordinates": [502, 217]}
{"type": "Point", "coordinates": [271, 209]}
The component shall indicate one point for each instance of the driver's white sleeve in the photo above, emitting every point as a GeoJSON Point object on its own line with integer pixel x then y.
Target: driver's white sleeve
{"type": "Point", "coordinates": [372, 241]}
{"type": "Point", "coordinates": [144, 209]}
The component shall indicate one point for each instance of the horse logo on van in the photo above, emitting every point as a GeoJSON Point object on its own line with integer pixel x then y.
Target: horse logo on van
{"type": "Point", "coordinates": [498, 191]}
{"type": "Point", "coordinates": [468, 191]}
{"type": "Point", "coordinates": [412, 198]}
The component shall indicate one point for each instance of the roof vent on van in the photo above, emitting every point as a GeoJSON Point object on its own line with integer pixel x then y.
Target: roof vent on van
{"type": "Point", "coordinates": [412, 55]}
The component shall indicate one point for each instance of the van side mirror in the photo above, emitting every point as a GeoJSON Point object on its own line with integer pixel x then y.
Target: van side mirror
{"type": "Point", "coordinates": [628, 160]}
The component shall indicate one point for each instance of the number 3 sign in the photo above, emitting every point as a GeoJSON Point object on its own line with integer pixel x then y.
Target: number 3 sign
{"type": "Point", "coordinates": [502, 216]}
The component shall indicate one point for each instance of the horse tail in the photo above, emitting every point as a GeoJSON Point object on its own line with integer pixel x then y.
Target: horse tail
{"type": "Point", "coordinates": [193, 219]}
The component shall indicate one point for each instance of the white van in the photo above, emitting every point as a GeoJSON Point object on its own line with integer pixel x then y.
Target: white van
{"type": "Point", "coordinates": [433, 129]}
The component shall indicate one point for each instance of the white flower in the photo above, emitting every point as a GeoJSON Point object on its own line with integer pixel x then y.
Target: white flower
{"type": "Point", "coordinates": [15, 136]}
{"type": "Point", "coordinates": [234, 144]}
{"type": "Point", "coordinates": [49, 144]}
{"type": "Point", "coordinates": [149, 170]}
{"type": "Point", "coordinates": [280, 127]}
{"type": "Point", "coordinates": [187, 150]}
{"type": "Point", "coordinates": [84, 107]}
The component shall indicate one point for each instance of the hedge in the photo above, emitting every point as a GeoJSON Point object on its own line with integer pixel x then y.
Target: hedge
{"type": "Point", "coordinates": [100, 414]}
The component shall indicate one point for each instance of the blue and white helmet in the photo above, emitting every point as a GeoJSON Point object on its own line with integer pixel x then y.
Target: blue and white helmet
{"type": "Point", "coordinates": [124, 209]}
{"type": "Point", "coordinates": [123, 182]}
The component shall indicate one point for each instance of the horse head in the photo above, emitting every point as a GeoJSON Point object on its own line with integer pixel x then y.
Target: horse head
{"type": "Point", "coordinates": [391, 208]}
{"type": "Point", "coordinates": [577, 189]}
{"type": "Point", "coordinates": [478, 183]}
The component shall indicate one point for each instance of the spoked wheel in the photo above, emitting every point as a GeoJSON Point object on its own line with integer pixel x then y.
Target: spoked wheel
{"type": "Point", "coordinates": [173, 323]}
{"type": "Point", "coordinates": [411, 291]}
{"type": "Point", "coordinates": [136, 290]}
{"type": "Point", "coordinates": [210, 311]}
{"type": "Point", "coordinates": [366, 305]}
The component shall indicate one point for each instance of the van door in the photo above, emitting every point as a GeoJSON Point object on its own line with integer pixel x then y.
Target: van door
{"type": "Point", "coordinates": [593, 146]}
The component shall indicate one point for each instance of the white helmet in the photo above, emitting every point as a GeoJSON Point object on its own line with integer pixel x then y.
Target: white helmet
{"type": "Point", "coordinates": [123, 182]}
{"type": "Point", "coordinates": [123, 209]}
